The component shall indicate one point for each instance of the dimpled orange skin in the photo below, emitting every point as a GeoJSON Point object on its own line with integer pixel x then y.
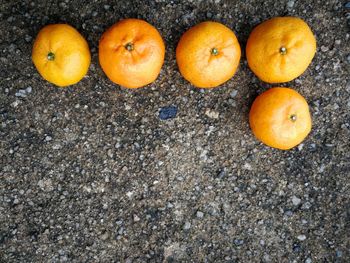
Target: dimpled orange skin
{"type": "Point", "coordinates": [71, 54]}
{"type": "Point", "coordinates": [271, 118]}
{"type": "Point", "coordinates": [265, 53]}
{"type": "Point", "coordinates": [195, 58]}
{"type": "Point", "coordinates": [131, 68]}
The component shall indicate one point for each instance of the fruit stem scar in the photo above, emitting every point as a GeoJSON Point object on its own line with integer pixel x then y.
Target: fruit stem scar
{"type": "Point", "coordinates": [50, 56]}
{"type": "Point", "coordinates": [293, 117]}
{"type": "Point", "coordinates": [129, 46]}
{"type": "Point", "coordinates": [214, 51]}
{"type": "Point", "coordinates": [283, 50]}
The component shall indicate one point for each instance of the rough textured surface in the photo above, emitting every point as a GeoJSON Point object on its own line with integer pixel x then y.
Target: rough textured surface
{"type": "Point", "coordinates": [91, 173]}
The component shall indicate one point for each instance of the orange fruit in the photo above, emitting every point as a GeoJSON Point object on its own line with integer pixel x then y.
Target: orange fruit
{"type": "Point", "coordinates": [61, 54]}
{"type": "Point", "coordinates": [208, 54]}
{"type": "Point", "coordinates": [131, 53]}
{"type": "Point", "coordinates": [280, 49]}
{"type": "Point", "coordinates": [280, 118]}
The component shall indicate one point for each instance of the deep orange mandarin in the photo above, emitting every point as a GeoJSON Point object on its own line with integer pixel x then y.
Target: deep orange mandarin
{"type": "Point", "coordinates": [131, 53]}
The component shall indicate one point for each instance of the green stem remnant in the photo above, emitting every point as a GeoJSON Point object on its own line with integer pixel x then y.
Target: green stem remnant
{"type": "Point", "coordinates": [129, 46]}
{"type": "Point", "coordinates": [283, 50]}
{"type": "Point", "coordinates": [50, 56]}
{"type": "Point", "coordinates": [293, 117]}
{"type": "Point", "coordinates": [214, 51]}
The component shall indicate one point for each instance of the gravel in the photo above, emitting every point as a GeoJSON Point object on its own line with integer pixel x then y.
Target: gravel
{"type": "Point", "coordinates": [169, 173]}
{"type": "Point", "coordinates": [199, 214]}
{"type": "Point", "coordinates": [296, 201]}
{"type": "Point", "coordinates": [301, 237]}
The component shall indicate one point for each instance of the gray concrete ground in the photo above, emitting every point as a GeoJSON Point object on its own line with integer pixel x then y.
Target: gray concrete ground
{"type": "Point", "coordinates": [91, 173]}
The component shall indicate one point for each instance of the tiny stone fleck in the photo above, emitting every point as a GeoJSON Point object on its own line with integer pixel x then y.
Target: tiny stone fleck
{"type": "Point", "coordinates": [199, 214]}
{"type": "Point", "coordinates": [290, 4]}
{"type": "Point", "coordinates": [295, 200]}
{"type": "Point", "coordinates": [301, 237]}
{"type": "Point", "coordinates": [233, 93]}
{"type": "Point", "coordinates": [238, 242]}
{"type": "Point", "coordinates": [324, 48]}
{"type": "Point", "coordinates": [213, 114]}
{"type": "Point", "coordinates": [29, 89]}
{"type": "Point", "coordinates": [187, 226]}
{"type": "Point", "coordinates": [28, 38]}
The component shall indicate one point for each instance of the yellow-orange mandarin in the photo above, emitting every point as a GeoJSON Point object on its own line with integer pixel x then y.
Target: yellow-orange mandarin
{"type": "Point", "coordinates": [280, 118]}
{"type": "Point", "coordinates": [61, 54]}
{"type": "Point", "coordinates": [208, 54]}
{"type": "Point", "coordinates": [280, 49]}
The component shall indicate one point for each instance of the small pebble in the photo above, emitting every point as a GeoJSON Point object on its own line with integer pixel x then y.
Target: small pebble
{"type": "Point", "coordinates": [199, 214]}
{"type": "Point", "coordinates": [238, 242]}
{"type": "Point", "coordinates": [288, 213]}
{"type": "Point", "coordinates": [187, 226]}
{"type": "Point", "coordinates": [301, 237]}
{"type": "Point", "coordinates": [308, 260]}
{"type": "Point", "coordinates": [168, 112]}
{"type": "Point", "coordinates": [23, 92]}
{"type": "Point", "coordinates": [307, 205]}
{"type": "Point", "coordinates": [29, 89]}
{"type": "Point", "coordinates": [28, 38]}
{"type": "Point", "coordinates": [266, 258]}
{"type": "Point", "coordinates": [300, 146]}
{"type": "Point", "coordinates": [248, 166]}
{"type": "Point", "coordinates": [221, 174]}
{"type": "Point", "coordinates": [324, 48]}
{"type": "Point", "coordinates": [295, 200]}
{"type": "Point", "coordinates": [233, 93]}
{"type": "Point", "coordinates": [347, 5]}
{"type": "Point", "coordinates": [136, 218]}
{"type": "Point", "coordinates": [296, 248]}
{"type": "Point", "coordinates": [213, 114]}
{"type": "Point", "coordinates": [290, 4]}
{"type": "Point", "coordinates": [104, 236]}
